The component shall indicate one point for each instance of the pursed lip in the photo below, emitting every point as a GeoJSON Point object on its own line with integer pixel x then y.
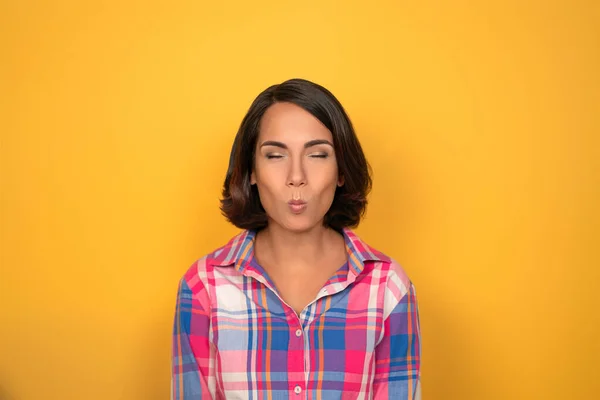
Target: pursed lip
{"type": "Point", "coordinates": [296, 202]}
{"type": "Point", "coordinates": [297, 206]}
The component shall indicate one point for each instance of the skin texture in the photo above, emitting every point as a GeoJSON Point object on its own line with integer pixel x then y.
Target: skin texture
{"type": "Point", "coordinates": [295, 160]}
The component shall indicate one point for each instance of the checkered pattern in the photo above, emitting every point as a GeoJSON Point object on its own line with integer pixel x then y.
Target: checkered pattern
{"type": "Point", "coordinates": [234, 338]}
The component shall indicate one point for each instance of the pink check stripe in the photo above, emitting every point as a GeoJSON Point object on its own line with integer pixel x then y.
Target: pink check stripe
{"type": "Point", "coordinates": [235, 338]}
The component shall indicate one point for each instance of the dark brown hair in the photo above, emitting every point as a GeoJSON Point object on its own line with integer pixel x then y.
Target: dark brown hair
{"type": "Point", "coordinates": [241, 204]}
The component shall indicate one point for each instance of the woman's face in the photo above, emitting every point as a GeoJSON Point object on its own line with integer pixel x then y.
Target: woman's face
{"type": "Point", "coordinates": [295, 167]}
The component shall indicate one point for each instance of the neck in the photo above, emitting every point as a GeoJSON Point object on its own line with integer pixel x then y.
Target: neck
{"type": "Point", "coordinates": [301, 249]}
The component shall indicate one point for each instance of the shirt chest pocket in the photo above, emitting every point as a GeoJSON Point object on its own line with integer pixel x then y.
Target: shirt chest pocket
{"type": "Point", "coordinates": [344, 342]}
{"type": "Point", "coordinates": [254, 347]}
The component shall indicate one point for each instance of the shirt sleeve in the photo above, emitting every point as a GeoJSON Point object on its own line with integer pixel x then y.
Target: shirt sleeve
{"type": "Point", "coordinates": [191, 356]}
{"type": "Point", "coordinates": [398, 354]}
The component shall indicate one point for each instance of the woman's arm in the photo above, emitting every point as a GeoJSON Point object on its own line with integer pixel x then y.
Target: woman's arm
{"type": "Point", "coordinates": [398, 355]}
{"type": "Point", "coordinates": [191, 359]}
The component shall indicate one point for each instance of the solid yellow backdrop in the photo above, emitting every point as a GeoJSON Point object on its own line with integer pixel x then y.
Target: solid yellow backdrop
{"type": "Point", "coordinates": [480, 122]}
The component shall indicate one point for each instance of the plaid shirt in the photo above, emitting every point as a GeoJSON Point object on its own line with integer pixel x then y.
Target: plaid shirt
{"type": "Point", "coordinates": [234, 338]}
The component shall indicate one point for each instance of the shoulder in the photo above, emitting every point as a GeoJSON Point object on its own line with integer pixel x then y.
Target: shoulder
{"type": "Point", "coordinates": [398, 281]}
{"type": "Point", "coordinates": [398, 291]}
{"type": "Point", "coordinates": [199, 276]}
{"type": "Point", "coordinates": [391, 272]}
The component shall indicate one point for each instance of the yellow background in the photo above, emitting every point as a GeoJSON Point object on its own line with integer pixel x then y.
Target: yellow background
{"type": "Point", "coordinates": [480, 120]}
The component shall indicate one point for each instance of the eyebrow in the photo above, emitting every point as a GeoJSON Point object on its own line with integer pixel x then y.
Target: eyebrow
{"type": "Point", "coordinates": [308, 144]}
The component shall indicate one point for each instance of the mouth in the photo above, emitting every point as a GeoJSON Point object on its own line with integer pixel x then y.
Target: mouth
{"type": "Point", "coordinates": [297, 206]}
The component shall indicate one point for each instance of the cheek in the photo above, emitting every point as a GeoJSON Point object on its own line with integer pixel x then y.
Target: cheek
{"type": "Point", "coordinates": [267, 178]}
{"type": "Point", "coordinates": [326, 176]}
{"type": "Point", "coordinates": [267, 183]}
{"type": "Point", "coordinates": [326, 183]}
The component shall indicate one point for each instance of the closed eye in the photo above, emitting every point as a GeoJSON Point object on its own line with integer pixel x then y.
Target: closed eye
{"type": "Point", "coordinates": [272, 156]}
{"type": "Point", "coordinates": [323, 155]}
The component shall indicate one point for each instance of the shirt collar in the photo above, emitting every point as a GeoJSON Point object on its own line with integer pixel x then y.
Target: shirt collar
{"type": "Point", "coordinates": [239, 251]}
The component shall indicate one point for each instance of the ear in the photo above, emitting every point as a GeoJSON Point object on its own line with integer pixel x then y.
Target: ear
{"type": "Point", "coordinates": [253, 178]}
{"type": "Point", "coordinates": [340, 181]}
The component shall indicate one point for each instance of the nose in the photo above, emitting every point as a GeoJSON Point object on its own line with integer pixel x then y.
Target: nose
{"type": "Point", "coordinates": [296, 175]}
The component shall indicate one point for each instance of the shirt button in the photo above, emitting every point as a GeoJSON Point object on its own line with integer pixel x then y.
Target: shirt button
{"type": "Point", "coordinates": [297, 389]}
{"type": "Point", "coordinates": [298, 333]}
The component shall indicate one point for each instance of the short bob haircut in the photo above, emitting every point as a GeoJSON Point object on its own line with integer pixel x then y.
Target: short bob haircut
{"type": "Point", "coordinates": [240, 203]}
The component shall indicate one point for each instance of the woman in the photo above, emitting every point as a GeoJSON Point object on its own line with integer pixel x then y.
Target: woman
{"type": "Point", "coordinates": [296, 306]}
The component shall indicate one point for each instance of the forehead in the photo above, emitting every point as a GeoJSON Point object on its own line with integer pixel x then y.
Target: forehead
{"type": "Point", "coordinates": [289, 123]}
